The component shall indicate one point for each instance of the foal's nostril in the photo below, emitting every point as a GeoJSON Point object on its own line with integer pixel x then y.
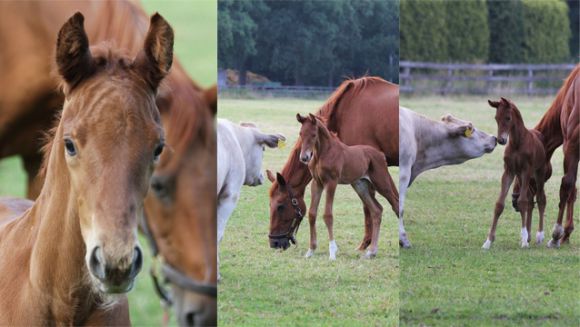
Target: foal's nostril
{"type": "Point", "coordinates": [137, 262]}
{"type": "Point", "coordinates": [96, 264]}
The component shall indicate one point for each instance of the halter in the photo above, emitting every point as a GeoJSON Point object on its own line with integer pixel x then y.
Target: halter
{"type": "Point", "coordinates": [171, 274]}
{"type": "Point", "coordinates": [290, 234]}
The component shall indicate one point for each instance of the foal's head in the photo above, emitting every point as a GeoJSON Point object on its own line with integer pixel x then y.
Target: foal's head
{"type": "Point", "coordinates": [108, 141]}
{"type": "Point", "coordinates": [308, 136]}
{"type": "Point", "coordinates": [505, 118]}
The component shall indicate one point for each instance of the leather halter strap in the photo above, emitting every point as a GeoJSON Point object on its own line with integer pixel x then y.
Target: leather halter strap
{"type": "Point", "coordinates": [295, 224]}
{"type": "Point", "coordinates": [170, 273]}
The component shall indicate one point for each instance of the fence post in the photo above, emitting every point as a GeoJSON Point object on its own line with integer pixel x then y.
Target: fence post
{"type": "Point", "coordinates": [530, 81]}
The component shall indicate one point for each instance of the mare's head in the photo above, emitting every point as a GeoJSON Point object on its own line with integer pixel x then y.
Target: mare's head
{"type": "Point", "coordinates": [308, 136]}
{"type": "Point", "coordinates": [181, 203]}
{"type": "Point", "coordinates": [286, 212]}
{"type": "Point", "coordinates": [504, 117]}
{"type": "Point", "coordinates": [107, 143]}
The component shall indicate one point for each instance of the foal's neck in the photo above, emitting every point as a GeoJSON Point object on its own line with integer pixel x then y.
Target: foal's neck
{"type": "Point", "coordinates": [518, 131]}
{"type": "Point", "coordinates": [324, 142]}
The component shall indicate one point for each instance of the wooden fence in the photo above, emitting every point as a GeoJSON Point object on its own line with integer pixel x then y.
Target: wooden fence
{"type": "Point", "coordinates": [426, 77]}
{"type": "Point", "coordinates": [276, 90]}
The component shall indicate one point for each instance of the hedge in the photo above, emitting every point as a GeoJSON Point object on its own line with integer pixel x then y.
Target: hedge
{"type": "Point", "coordinates": [467, 31]}
{"type": "Point", "coordinates": [423, 30]}
{"type": "Point", "coordinates": [546, 30]}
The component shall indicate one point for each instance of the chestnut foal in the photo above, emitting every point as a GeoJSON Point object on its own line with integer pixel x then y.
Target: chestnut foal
{"type": "Point", "coordinates": [69, 257]}
{"type": "Point", "coordinates": [332, 162]}
{"type": "Point", "coordinates": [524, 158]}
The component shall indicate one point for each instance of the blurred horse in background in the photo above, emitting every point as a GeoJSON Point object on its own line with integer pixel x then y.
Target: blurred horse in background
{"type": "Point", "coordinates": [181, 208]}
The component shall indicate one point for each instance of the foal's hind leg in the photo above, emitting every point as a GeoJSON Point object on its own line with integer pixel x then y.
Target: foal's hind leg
{"type": "Point", "coordinates": [362, 188]}
{"type": "Point", "coordinates": [524, 205]}
{"type": "Point", "coordinates": [377, 212]}
{"type": "Point", "coordinates": [328, 219]}
{"type": "Point", "coordinates": [315, 194]}
{"type": "Point", "coordinates": [541, 199]}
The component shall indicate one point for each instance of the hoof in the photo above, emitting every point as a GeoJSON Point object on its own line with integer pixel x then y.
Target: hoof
{"type": "Point", "coordinates": [525, 244]}
{"type": "Point", "coordinates": [404, 244]}
{"type": "Point", "coordinates": [332, 257]}
{"type": "Point", "coordinates": [486, 245]}
{"type": "Point", "coordinates": [370, 255]}
{"type": "Point", "coordinates": [309, 253]}
{"type": "Point", "coordinates": [553, 244]}
{"type": "Point", "coordinates": [539, 237]}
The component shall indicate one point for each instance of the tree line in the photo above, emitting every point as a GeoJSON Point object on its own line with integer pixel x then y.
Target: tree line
{"type": "Point", "coordinates": [479, 31]}
{"type": "Point", "coordinates": [309, 42]}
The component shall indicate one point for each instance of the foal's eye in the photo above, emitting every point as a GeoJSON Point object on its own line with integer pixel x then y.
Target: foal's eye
{"type": "Point", "coordinates": [70, 147]}
{"type": "Point", "coordinates": [280, 208]}
{"type": "Point", "coordinates": [158, 151]}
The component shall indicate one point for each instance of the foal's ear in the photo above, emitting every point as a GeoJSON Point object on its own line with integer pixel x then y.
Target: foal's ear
{"type": "Point", "coordinates": [270, 176]}
{"type": "Point", "coordinates": [157, 55]}
{"type": "Point", "coordinates": [313, 118]}
{"type": "Point", "coordinates": [494, 104]}
{"type": "Point", "coordinates": [73, 57]}
{"type": "Point", "coordinates": [301, 119]}
{"type": "Point", "coordinates": [280, 179]}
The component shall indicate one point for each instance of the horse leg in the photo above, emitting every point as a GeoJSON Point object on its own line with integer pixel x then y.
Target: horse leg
{"type": "Point", "coordinates": [404, 178]}
{"type": "Point", "coordinates": [506, 181]}
{"type": "Point", "coordinates": [315, 194]}
{"type": "Point", "coordinates": [361, 187]}
{"type": "Point", "coordinates": [541, 198]}
{"type": "Point", "coordinates": [227, 202]}
{"type": "Point", "coordinates": [572, 173]}
{"type": "Point", "coordinates": [567, 197]}
{"type": "Point", "coordinates": [376, 214]}
{"type": "Point", "coordinates": [524, 205]}
{"type": "Point", "coordinates": [328, 219]}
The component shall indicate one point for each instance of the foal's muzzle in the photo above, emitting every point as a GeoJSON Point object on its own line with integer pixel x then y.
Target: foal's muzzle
{"type": "Point", "coordinates": [115, 278]}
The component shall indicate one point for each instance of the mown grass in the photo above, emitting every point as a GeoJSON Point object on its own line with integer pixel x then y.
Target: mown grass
{"type": "Point", "coordinates": [265, 287]}
{"type": "Point", "coordinates": [446, 278]}
{"type": "Point", "coordinates": [195, 26]}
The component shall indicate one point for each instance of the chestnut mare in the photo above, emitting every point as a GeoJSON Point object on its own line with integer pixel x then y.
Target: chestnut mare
{"type": "Point", "coordinates": [525, 158]}
{"type": "Point", "coordinates": [360, 111]}
{"type": "Point", "coordinates": [561, 125]}
{"type": "Point", "coordinates": [181, 206]}
{"type": "Point", "coordinates": [331, 162]}
{"type": "Point", "coordinates": [64, 255]}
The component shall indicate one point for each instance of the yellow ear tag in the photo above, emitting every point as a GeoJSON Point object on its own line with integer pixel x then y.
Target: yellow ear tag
{"type": "Point", "coordinates": [468, 132]}
{"type": "Point", "coordinates": [281, 144]}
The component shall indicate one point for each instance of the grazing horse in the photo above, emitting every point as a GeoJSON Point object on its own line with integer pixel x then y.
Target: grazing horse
{"type": "Point", "coordinates": [360, 111]}
{"type": "Point", "coordinates": [331, 162]}
{"type": "Point", "coordinates": [181, 205]}
{"type": "Point", "coordinates": [428, 144]}
{"type": "Point", "coordinates": [561, 125]}
{"type": "Point", "coordinates": [525, 158]}
{"type": "Point", "coordinates": [240, 153]}
{"type": "Point", "coordinates": [65, 254]}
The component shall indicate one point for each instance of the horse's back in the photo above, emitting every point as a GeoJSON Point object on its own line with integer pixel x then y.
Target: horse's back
{"type": "Point", "coordinates": [371, 117]}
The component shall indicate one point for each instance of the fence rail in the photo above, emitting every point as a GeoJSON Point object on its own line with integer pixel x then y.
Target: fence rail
{"type": "Point", "coordinates": [277, 90]}
{"type": "Point", "coordinates": [531, 79]}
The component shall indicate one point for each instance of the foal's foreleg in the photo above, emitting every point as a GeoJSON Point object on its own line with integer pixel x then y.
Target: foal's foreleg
{"type": "Point", "coordinates": [541, 199]}
{"type": "Point", "coordinates": [328, 219]}
{"type": "Point", "coordinates": [506, 181]}
{"type": "Point", "coordinates": [315, 194]}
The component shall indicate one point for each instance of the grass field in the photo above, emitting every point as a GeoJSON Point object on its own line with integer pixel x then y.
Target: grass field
{"type": "Point", "coordinates": [195, 26]}
{"type": "Point", "coordinates": [446, 278]}
{"type": "Point", "coordinates": [265, 287]}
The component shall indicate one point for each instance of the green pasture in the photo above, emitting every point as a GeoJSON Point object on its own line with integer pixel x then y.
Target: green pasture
{"type": "Point", "coordinates": [446, 278]}
{"type": "Point", "coordinates": [195, 25]}
{"type": "Point", "coordinates": [265, 287]}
